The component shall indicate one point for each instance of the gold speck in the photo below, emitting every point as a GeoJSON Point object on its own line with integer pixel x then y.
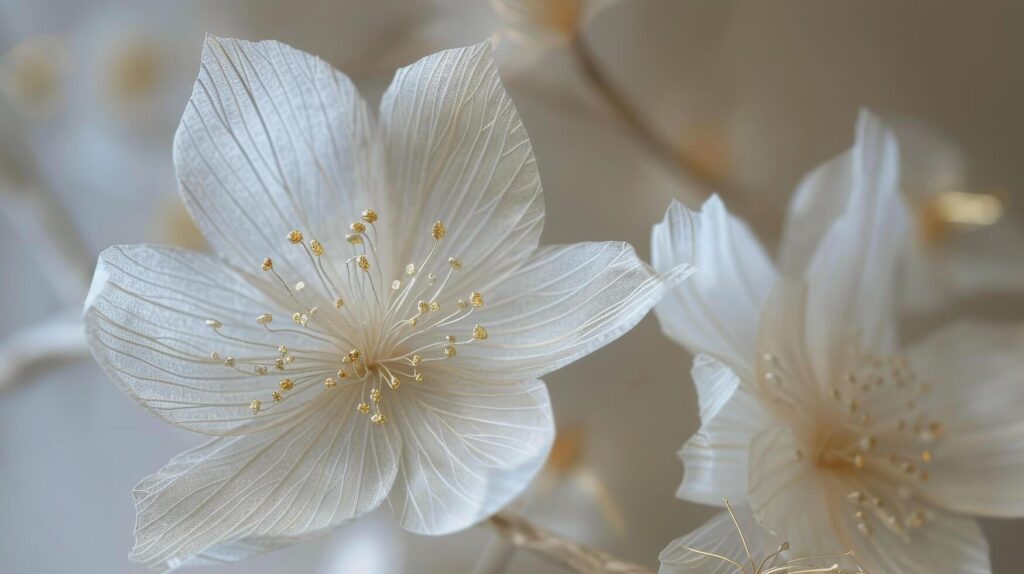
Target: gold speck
{"type": "Point", "coordinates": [378, 419]}
{"type": "Point", "coordinates": [412, 322]}
{"type": "Point", "coordinates": [363, 263]}
{"type": "Point", "coordinates": [369, 216]}
{"type": "Point", "coordinates": [295, 237]}
{"type": "Point", "coordinates": [435, 306]}
{"type": "Point", "coordinates": [354, 238]}
{"type": "Point", "coordinates": [329, 383]}
{"type": "Point", "coordinates": [261, 369]}
{"type": "Point", "coordinates": [375, 395]}
{"type": "Point", "coordinates": [279, 363]}
{"type": "Point", "coordinates": [462, 304]}
{"type": "Point", "coordinates": [255, 406]}
{"type": "Point", "coordinates": [316, 247]}
{"type": "Point", "coordinates": [450, 338]}
{"type": "Point", "coordinates": [455, 263]}
{"type": "Point", "coordinates": [354, 355]}
{"type": "Point", "coordinates": [357, 227]}
{"type": "Point", "coordinates": [926, 456]}
{"type": "Point", "coordinates": [268, 264]}
{"type": "Point", "coordinates": [437, 231]}
{"type": "Point", "coordinates": [449, 351]}
{"type": "Point", "coordinates": [394, 383]}
{"type": "Point", "coordinates": [476, 299]}
{"type": "Point", "coordinates": [418, 377]}
{"type": "Point", "coordinates": [283, 349]}
{"type": "Point", "coordinates": [277, 396]}
{"type": "Point", "coordinates": [416, 359]}
{"type": "Point", "coordinates": [339, 303]}
{"type": "Point", "coordinates": [363, 408]}
{"type": "Point", "coordinates": [423, 306]}
{"type": "Point", "coordinates": [342, 374]}
{"type": "Point", "coordinates": [286, 384]}
{"type": "Point", "coordinates": [229, 362]}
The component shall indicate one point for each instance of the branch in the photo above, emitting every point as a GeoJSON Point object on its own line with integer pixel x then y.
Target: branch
{"type": "Point", "coordinates": [553, 548]}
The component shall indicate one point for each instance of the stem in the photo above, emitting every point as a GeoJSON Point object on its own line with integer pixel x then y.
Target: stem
{"type": "Point", "coordinates": [41, 345]}
{"type": "Point", "coordinates": [688, 173]}
{"type": "Point", "coordinates": [520, 534]}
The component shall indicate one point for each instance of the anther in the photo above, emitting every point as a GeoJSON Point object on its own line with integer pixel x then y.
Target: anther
{"type": "Point", "coordinates": [479, 333]}
{"type": "Point", "coordinates": [437, 231]}
{"type": "Point", "coordinates": [213, 324]}
{"type": "Point", "coordinates": [423, 307]}
{"type": "Point", "coordinates": [276, 396]}
{"type": "Point", "coordinates": [215, 356]}
{"type": "Point", "coordinates": [264, 319]}
{"type": "Point", "coordinates": [260, 369]}
{"type": "Point", "coordinates": [295, 237]}
{"type": "Point", "coordinates": [375, 395]}
{"type": "Point", "coordinates": [279, 363]}
{"type": "Point", "coordinates": [229, 362]}
{"type": "Point", "coordinates": [410, 269]}
{"type": "Point", "coordinates": [363, 408]}
{"type": "Point", "coordinates": [449, 351]}
{"type": "Point", "coordinates": [378, 419]}
{"type": "Point", "coordinates": [396, 285]}
{"type": "Point", "coordinates": [476, 299]}
{"type": "Point", "coordinates": [435, 306]}
{"type": "Point", "coordinates": [394, 383]}
{"type": "Point", "coordinates": [354, 355]}
{"type": "Point", "coordinates": [282, 350]}
{"type": "Point", "coordinates": [455, 263]}
{"type": "Point", "coordinates": [286, 384]}
{"type": "Point", "coordinates": [329, 383]}
{"type": "Point", "coordinates": [255, 406]}
{"type": "Point", "coordinates": [357, 227]}
{"type": "Point", "coordinates": [316, 247]}
{"type": "Point", "coordinates": [363, 263]}
{"type": "Point", "coordinates": [462, 304]}
{"type": "Point", "coordinates": [268, 264]}
{"type": "Point", "coordinates": [369, 216]}
{"type": "Point", "coordinates": [416, 359]}
{"type": "Point", "coordinates": [339, 303]}
{"type": "Point", "coordinates": [418, 378]}
{"type": "Point", "coordinates": [354, 238]}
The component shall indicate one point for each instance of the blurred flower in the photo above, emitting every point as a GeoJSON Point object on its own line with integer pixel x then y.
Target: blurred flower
{"type": "Point", "coordinates": [810, 414]}
{"type": "Point", "coordinates": [732, 542]}
{"type": "Point", "coordinates": [959, 248]}
{"type": "Point", "coordinates": [32, 75]}
{"type": "Point", "coordinates": [378, 386]}
{"type": "Point", "coordinates": [547, 22]}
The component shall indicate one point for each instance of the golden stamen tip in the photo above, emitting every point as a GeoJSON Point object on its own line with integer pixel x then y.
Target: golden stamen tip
{"type": "Point", "coordinates": [213, 324]}
{"type": "Point", "coordinates": [329, 383]}
{"type": "Point", "coordinates": [354, 238]}
{"type": "Point", "coordinates": [255, 406]}
{"type": "Point", "coordinates": [295, 237]}
{"type": "Point", "coordinates": [286, 384]}
{"type": "Point", "coordinates": [449, 351]}
{"type": "Point", "coordinates": [394, 383]}
{"type": "Point", "coordinates": [339, 303]}
{"type": "Point", "coordinates": [369, 216]}
{"type": "Point", "coordinates": [455, 263]}
{"type": "Point", "coordinates": [476, 299]}
{"type": "Point", "coordinates": [479, 332]}
{"type": "Point", "coordinates": [357, 227]}
{"type": "Point", "coordinates": [268, 264]}
{"type": "Point", "coordinates": [316, 247]}
{"type": "Point", "coordinates": [264, 319]}
{"type": "Point", "coordinates": [378, 419]}
{"type": "Point", "coordinates": [277, 396]}
{"type": "Point", "coordinates": [363, 408]}
{"type": "Point", "coordinates": [363, 263]}
{"type": "Point", "coordinates": [437, 231]}
{"type": "Point", "coordinates": [375, 395]}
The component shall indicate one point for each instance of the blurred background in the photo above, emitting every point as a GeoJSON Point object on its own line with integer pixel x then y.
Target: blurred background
{"type": "Point", "coordinates": [628, 104]}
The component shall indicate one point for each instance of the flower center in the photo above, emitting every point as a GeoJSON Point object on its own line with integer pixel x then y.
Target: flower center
{"type": "Point", "coordinates": [349, 328]}
{"type": "Point", "coordinates": [872, 433]}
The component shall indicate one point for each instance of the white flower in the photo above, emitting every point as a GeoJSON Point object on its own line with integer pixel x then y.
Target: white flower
{"type": "Point", "coordinates": [547, 22]}
{"type": "Point", "coordinates": [810, 413]}
{"type": "Point", "coordinates": [377, 314]}
{"type": "Point", "coordinates": [732, 542]}
{"type": "Point", "coordinates": [960, 239]}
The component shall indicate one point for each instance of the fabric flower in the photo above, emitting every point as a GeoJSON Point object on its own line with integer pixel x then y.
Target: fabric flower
{"type": "Point", "coordinates": [375, 318]}
{"type": "Point", "coordinates": [810, 412]}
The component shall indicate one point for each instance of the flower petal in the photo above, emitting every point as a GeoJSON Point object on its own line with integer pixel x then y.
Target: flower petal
{"type": "Point", "coordinates": [846, 227]}
{"type": "Point", "coordinates": [715, 458]}
{"type": "Point", "coordinates": [274, 139]}
{"type": "Point", "coordinates": [236, 496]}
{"type": "Point", "coordinates": [719, 536]}
{"type": "Point", "coordinates": [458, 153]}
{"type": "Point", "coordinates": [565, 302]}
{"type": "Point", "coordinates": [717, 311]}
{"type": "Point", "coordinates": [470, 448]}
{"type": "Point", "coordinates": [146, 321]}
{"type": "Point", "coordinates": [976, 371]}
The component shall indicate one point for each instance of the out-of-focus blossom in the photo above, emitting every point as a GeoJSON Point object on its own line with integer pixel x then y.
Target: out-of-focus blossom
{"type": "Point", "coordinates": [962, 245]}
{"type": "Point", "coordinates": [378, 385]}
{"type": "Point", "coordinates": [32, 75]}
{"type": "Point", "coordinates": [547, 22]}
{"type": "Point", "coordinates": [732, 542]}
{"type": "Point", "coordinates": [810, 412]}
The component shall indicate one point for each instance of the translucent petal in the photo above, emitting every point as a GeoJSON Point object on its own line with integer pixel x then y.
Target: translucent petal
{"type": "Point", "coordinates": [719, 536]}
{"type": "Point", "coordinates": [470, 448]}
{"type": "Point", "coordinates": [236, 496]}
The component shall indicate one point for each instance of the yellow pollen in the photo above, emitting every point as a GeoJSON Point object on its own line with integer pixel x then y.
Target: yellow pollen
{"type": "Point", "coordinates": [394, 383]}
{"type": "Point", "coordinates": [416, 359]}
{"type": "Point", "coordinates": [926, 456]}
{"type": "Point", "coordinates": [418, 377]}
{"type": "Point", "coordinates": [329, 383]}
{"type": "Point", "coordinates": [268, 264]}
{"type": "Point", "coordinates": [354, 355]}
{"type": "Point", "coordinates": [375, 395]}
{"type": "Point", "coordinates": [261, 370]}
{"type": "Point", "coordinates": [343, 374]}
{"type": "Point", "coordinates": [277, 396]}
{"type": "Point", "coordinates": [357, 227]}
{"type": "Point", "coordinates": [283, 349]}
{"type": "Point", "coordinates": [455, 263]}
{"type": "Point", "coordinates": [462, 304]}
{"type": "Point", "coordinates": [369, 216]}
{"type": "Point", "coordinates": [437, 231]}
{"type": "Point", "coordinates": [354, 238]}
{"type": "Point", "coordinates": [476, 299]}
{"type": "Point", "coordinates": [479, 332]}
{"type": "Point", "coordinates": [279, 363]}
{"type": "Point", "coordinates": [363, 408]}
{"type": "Point", "coordinates": [286, 384]}
{"type": "Point", "coordinates": [339, 303]}
{"type": "Point", "coordinates": [423, 307]}
{"type": "Point", "coordinates": [316, 247]}
{"type": "Point", "coordinates": [378, 419]}
{"type": "Point", "coordinates": [229, 362]}
{"type": "Point", "coordinates": [363, 263]}
{"type": "Point", "coordinates": [264, 319]}
{"type": "Point", "coordinates": [255, 406]}
{"type": "Point", "coordinates": [412, 322]}
{"type": "Point", "coordinates": [435, 306]}
{"type": "Point", "coordinates": [449, 351]}
{"type": "Point", "coordinates": [295, 237]}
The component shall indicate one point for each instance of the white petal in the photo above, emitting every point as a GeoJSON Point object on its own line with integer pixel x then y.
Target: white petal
{"type": "Point", "coordinates": [850, 264]}
{"type": "Point", "coordinates": [790, 496]}
{"type": "Point", "coordinates": [717, 311]}
{"type": "Point", "coordinates": [236, 496]}
{"type": "Point", "coordinates": [564, 303]}
{"type": "Point", "coordinates": [470, 448]}
{"type": "Point", "coordinates": [715, 458]}
{"type": "Point", "coordinates": [146, 319]}
{"type": "Point", "coordinates": [720, 536]}
{"type": "Point", "coordinates": [976, 372]}
{"type": "Point", "coordinates": [458, 153]}
{"type": "Point", "coordinates": [274, 139]}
